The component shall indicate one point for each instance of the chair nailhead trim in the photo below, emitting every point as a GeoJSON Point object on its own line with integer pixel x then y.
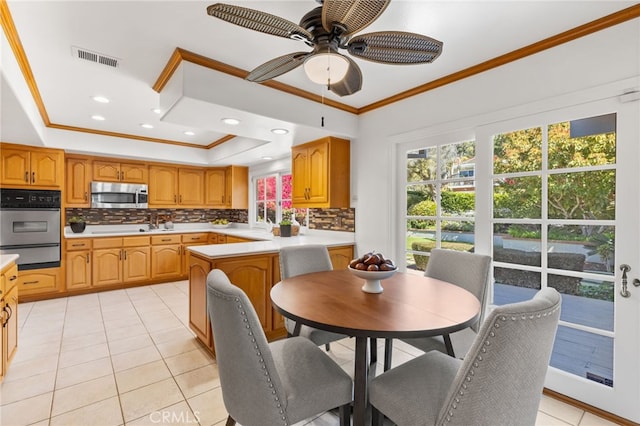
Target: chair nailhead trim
{"type": "Point", "coordinates": [258, 353]}
{"type": "Point", "coordinates": [479, 358]}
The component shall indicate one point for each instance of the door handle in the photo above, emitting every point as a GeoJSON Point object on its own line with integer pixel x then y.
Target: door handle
{"type": "Point", "coordinates": [26, 177]}
{"type": "Point", "coordinates": [33, 177]}
{"type": "Point", "coordinates": [624, 292]}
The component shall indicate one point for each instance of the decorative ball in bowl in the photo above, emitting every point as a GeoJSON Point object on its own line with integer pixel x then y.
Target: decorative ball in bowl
{"type": "Point", "coordinates": [220, 223]}
{"type": "Point", "coordinates": [372, 267]}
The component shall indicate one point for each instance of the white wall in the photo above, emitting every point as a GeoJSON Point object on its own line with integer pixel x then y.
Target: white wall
{"type": "Point", "coordinates": [568, 74]}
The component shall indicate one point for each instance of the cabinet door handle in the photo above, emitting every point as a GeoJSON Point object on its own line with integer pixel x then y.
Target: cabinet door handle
{"type": "Point", "coordinates": [125, 255]}
{"type": "Point", "coordinates": [117, 174]}
{"type": "Point", "coordinates": [166, 239]}
{"type": "Point", "coordinates": [88, 257]}
{"type": "Point", "coordinates": [26, 177]}
{"type": "Point", "coordinates": [77, 245]}
{"type": "Point", "coordinates": [180, 198]}
{"type": "Point", "coordinates": [33, 177]}
{"type": "Point", "coordinates": [13, 277]}
{"type": "Point", "coordinates": [86, 196]}
{"type": "Point", "coordinates": [5, 321]}
{"type": "Point", "coordinates": [120, 257]}
{"type": "Point", "coordinates": [31, 282]}
{"type": "Point", "coordinates": [175, 198]}
{"type": "Point", "coordinates": [10, 314]}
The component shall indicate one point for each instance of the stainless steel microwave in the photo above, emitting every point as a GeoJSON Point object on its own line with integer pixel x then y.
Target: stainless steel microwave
{"type": "Point", "coordinates": [113, 195]}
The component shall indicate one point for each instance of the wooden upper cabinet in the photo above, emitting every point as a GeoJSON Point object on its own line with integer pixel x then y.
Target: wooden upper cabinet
{"type": "Point", "coordinates": [321, 173]}
{"type": "Point", "coordinates": [227, 187]}
{"type": "Point", "coordinates": [113, 171]}
{"type": "Point", "coordinates": [237, 187]}
{"type": "Point", "coordinates": [22, 166]}
{"type": "Point", "coordinates": [172, 186]}
{"type": "Point", "coordinates": [191, 187]}
{"type": "Point", "coordinates": [163, 186]}
{"type": "Point", "coordinates": [215, 187]}
{"type": "Point", "coordinates": [78, 182]}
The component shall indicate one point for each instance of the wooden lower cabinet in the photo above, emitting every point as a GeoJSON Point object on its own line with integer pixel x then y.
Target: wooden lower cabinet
{"type": "Point", "coordinates": [136, 265]}
{"type": "Point", "coordinates": [107, 267]}
{"type": "Point", "coordinates": [233, 239]}
{"type": "Point", "coordinates": [121, 265]}
{"type": "Point", "coordinates": [198, 315]}
{"type": "Point", "coordinates": [255, 275]}
{"type": "Point", "coordinates": [78, 269]}
{"type": "Point", "coordinates": [166, 257]}
{"type": "Point", "coordinates": [9, 317]}
{"type": "Point", "coordinates": [166, 261]}
{"type": "Point", "coordinates": [341, 256]}
{"type": "Point", "coordinates": [10, 327]}
{"type": "Point", "coordinates": [39, 281]}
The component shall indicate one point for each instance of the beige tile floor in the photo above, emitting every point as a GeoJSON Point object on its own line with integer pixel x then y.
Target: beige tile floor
{"type": "Point", "coordinates": [128, 357]}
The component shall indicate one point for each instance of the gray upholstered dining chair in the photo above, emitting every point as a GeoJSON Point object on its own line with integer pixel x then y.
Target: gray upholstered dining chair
{"type": "Point", "coordinates": [469, 271]}
{"type": "Point", "coordinates": [277, 383]}
{"type": "Point", "coordinates": [498, 383]}
{"type": "Point", "coordinates": [298, 260]}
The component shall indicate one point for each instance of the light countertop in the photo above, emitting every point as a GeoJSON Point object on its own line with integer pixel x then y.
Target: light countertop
{"type": "Point", "coordinates": [101, 231]}
{"type": "Point", "coordinates": [272, 246]}
{"type": "Point", "coordinates": [6, 259]}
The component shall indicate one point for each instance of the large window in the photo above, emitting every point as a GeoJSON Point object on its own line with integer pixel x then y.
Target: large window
{"type": "Point", "coordinates": [273, 200]}
{"type": "Point", "coordinates": [440, 190]}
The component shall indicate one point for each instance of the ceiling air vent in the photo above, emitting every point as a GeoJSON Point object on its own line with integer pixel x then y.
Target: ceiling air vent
{"type": "Point", "coordinates": [98, 58]}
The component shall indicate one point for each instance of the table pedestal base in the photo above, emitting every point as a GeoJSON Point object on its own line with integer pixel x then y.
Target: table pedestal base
{"type": "Point", "coordinates": [372, 286]}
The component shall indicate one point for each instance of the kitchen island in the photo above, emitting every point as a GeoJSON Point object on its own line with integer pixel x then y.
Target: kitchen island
{"type": "Point", "coordinates": [254, 267]}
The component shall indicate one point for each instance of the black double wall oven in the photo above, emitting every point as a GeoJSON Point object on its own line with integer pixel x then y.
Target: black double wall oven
{"type": "Point", "coordinates": [30, 227]}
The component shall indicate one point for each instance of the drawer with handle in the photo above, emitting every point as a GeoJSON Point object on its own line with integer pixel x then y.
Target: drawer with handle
{"type": "Point", "coordinates": [78, 244]}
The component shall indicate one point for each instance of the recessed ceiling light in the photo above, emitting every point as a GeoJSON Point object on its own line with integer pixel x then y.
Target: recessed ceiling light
{"type": "Point", "coordinates": [101, 99]}
{"type": "Point", "coordinates": [98, 117]}
{"type": "Point", "coordinates": [267, 158]}
{"type": "Point", "coordinates": [146, 126]}
{"type": "Point", "coordinates": [231, 121]}
{"type": "Point", "coordinates": [157, 110]}
{"type": "Point", "coordinates": [189, 133]}
{"type": "Point", "coordinates": [279, 131]}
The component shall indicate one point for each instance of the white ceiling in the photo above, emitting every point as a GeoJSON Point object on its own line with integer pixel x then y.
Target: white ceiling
{"type": "Point", "coordinates": [144, 34]}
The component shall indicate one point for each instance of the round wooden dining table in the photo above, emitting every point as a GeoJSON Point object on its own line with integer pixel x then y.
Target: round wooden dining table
{"type": "Point", "coordinates": [410, 305]}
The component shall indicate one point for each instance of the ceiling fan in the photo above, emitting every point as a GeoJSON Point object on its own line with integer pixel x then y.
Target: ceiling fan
{"type": "Point", "coordinates": [327, 29]}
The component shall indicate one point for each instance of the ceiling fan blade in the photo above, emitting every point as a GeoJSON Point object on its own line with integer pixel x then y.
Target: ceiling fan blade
{"type": "Point", "coordinates": [259, 21]}
{"type": "Point", "coordinates": [353, 15]}
{"type": "Point", "coordinates": [395, 47]}
{"type": "Point", "coordinates": [351, 83]}
{"type": "Point", "coordinates": [277, 66]}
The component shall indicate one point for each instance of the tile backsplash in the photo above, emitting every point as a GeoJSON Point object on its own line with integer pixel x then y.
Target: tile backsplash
{"type": "Point", "coordinates": [141, 216]}
{"type": "Point", "coordinates": [333, 219]}
{"type": "Point", "coordinates": [322, 219]}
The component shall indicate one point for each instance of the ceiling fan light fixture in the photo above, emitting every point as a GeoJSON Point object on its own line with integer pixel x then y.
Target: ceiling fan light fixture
{"type": "Point", "coordinates": [323, 68]}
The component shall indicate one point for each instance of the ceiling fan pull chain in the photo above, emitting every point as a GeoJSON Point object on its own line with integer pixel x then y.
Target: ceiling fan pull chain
{"type": "Point", "coordinates": [322, 118]}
